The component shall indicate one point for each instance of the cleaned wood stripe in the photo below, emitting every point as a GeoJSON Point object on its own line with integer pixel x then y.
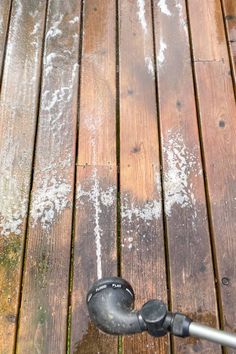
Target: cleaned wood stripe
{"type": "Point", "coordinates": [95, 254]}
{"type": "Point", "coordinates": [142, 252]}
{"type": "Point", "coordinates": [18, 116]}
{"type": "Point", "coordinates": [211, 47]}
{"type": "Point", "coordinates": [191, 269]}
{"type": "Point", "coordinates": [43, 315]}
{"type": "Point", "coordinates": [217, 112]}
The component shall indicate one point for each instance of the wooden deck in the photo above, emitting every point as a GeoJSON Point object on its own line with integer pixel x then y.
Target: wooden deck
{"type": "Point", "coordinates": [117, 156]}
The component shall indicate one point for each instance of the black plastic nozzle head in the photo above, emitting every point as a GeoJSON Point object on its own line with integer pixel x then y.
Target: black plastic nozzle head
{"type": "Point", "coordinates": [110, 304]}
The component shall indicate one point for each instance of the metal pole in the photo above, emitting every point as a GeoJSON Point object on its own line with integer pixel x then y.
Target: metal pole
{"type": "Point", "coordinates": [214, 335]}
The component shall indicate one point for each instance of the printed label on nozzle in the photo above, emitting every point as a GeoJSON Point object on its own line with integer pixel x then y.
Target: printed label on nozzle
{"type": "Point", "coordinates": [101, 288]}
{"type": "Point", "coordinates": [116, 285]}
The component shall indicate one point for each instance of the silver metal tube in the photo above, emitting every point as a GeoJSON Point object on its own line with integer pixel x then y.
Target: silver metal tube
{"type": "Point", "coordinates": [214, 335]}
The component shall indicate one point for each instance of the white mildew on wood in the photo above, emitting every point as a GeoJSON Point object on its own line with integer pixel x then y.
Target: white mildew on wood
{"type": "Point", "coordinates": [128, 242]}
{"type": "Point", "coordinates": [181, 164]}
{"type": "Point", "coordinates": [74, 20]}
{"type": "Point", "coordinates": [51, 189]}
{"type": "Point", "coordinates": [94, 194]}
{"type": "Point", "coordinates": [161, 53]}
{"type": "Point", "coordinates": [99, 198]}
{"type": "Point", "coordinates": [1, 25]}
{"type": "Point", "coordinates": [52, 195]}
{"type": "Point", "coordinates": [164, 8]}
{"type": "Point", "coordinates": [15, 160]}
{"type": "Point", "coordinates": [141, 15]}
{"type": "Point", "coordinates": [34, 14]}
{"type": "Point", "coordinates": [135, 214]}
{"type": "Point", "coordinates": [57, 58]}
{"type": "Point", "coordinates": [16, 19]}
{"type": "Point", "coordinates": [54, 98]}
{"type": "Point", "coordinates": [93, 124]}
{"type": "Point", "coordinates": [19, 10]}
{"type": "Point", "coordinates": [75, 36]}
{"type": "Point", "coordinates": [157, 180]}
{"type": "Point", "coordinates": [13, 205]}
{"type": "Point", "coordinates": [54, 108]}
{"type": "Point", "coordinates": [148, 211]}
{"type": "Point", "coordinates": [35, 29]}
{"type": "Point", "coordinates": [48, 62]}
{"type": "Point", "coordinates": [107, 196]}
{"type": "Point", "coordinates": [49, 200]}
{"type": "Point", "coordinates": [182, 20]}
{"type": "Point", "coordinates": [36, 38]}
{"type": "Point", "coordinates": [149, 65]}
{"type": "Point", "coordinates": [97, 228]}
{"type": "Point", "coordinates": [54, 31]}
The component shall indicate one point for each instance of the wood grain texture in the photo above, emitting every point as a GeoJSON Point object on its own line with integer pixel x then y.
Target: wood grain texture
{"type": "Point", "coordinates": [43, 315]}
{"type": "Point", "coordinates": [230, 18]}
{"type": "Point", "coordinates": [142, 252]}
{"type": "Point", "coordinates": [18, 115]}
{"type": "Point", "coordinates": [207, 19]}
{"type": "Point", "coordinates": [5, 6]}
{"type": "Point", "coordinates": [95, 252]}
{"type": "Point", "coordinates": [217, 112]}
{"type": "Point", "coordinates": [46, 293]}
{"type": "Point", "coordinates": [190, 262]}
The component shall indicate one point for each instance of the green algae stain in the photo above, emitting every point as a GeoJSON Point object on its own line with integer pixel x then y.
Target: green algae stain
{"type": "Point", "coordinates": [42, 315]}
{"type": "Point", "coordinates": [10, 252]}
{"type": "Point", "coordinates": [43, 265]}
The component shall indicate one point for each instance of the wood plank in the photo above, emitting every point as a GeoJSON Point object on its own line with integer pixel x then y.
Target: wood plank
{"type": "Point", "coordinates": [18, 112]}
{"type": "Point", "coordinates": [5, 6]}
{"type": "Point", "coordinates": [43, 315]}
{"type": "Point", "coordinates": [217, 112]}
{"type": "Point", "coordinates": [95, 254]}
{"type": "Point", "coordinates": [190, 262]}
{"type": "Point", "coordinates": [142, 253]}
{"type": "Point", "coordinates": [213, 45]}
{"type": "Point", "coordinates": [229, 7]}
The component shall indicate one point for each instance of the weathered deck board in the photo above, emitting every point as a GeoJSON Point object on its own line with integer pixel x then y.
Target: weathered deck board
{"type": "Point", "coordinates": [142, 252]}
{"type": "Point", "coordinates": [217, 113]}
{"type": "Point", "coordinates": [230, 17]}
{"type": "Point", "coordinates": [5, 6]}
{"type": "Point", "coordinates": [18, 108]}
{"type": "Point", "coordinates": [43, 315]}
{"type": "Point", "coordinates": [190, 261]}
{"type": "Point", "coordinates": [95, 252]}
{"type": "Point", "coordinates": [165, 129]}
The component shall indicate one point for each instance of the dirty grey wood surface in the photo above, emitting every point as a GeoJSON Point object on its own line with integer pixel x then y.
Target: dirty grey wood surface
{"type": "Point", "coordinates": [45, 291]}
{"type": "Point", "coordinates": [18, 119]}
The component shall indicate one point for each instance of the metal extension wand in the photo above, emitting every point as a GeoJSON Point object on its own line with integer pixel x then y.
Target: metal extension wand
{"type": "Point", "coordinates": [110, 304]}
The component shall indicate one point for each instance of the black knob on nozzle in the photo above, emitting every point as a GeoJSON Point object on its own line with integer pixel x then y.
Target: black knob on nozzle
{"type": "Point", "coordinates": [154, 314]}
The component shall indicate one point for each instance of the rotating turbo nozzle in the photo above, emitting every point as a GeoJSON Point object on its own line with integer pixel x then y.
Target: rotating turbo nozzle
{"type": "Point", "coordinates": [110, 303]}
